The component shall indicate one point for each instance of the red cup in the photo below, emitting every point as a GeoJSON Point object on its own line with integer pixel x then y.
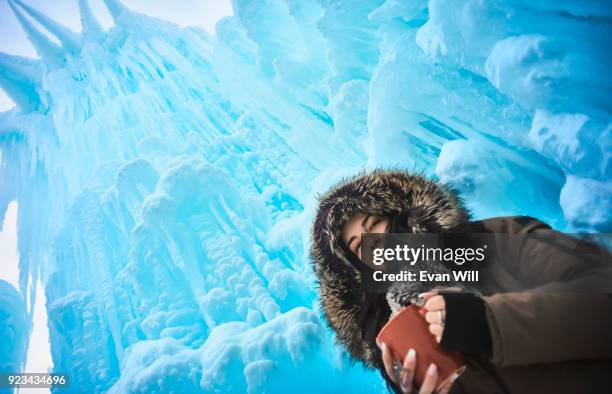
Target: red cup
{"type": "Point", "coordinates": [409, 330]}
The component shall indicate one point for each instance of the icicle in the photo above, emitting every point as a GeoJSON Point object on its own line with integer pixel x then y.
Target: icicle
{"type": "Point", "coordinates": [25, 68]}
{"type": "Point", "coordinates": [7, 130]}
{"type": "Point", "coordinates": [69, 39]}
{"type": "Point", "coordinates": [91, 27]}
{"type": "Point", "coordinates": [46, 49]}
{"type": "Point", "coordinates": [20, 78]}
{"type": "Point", "coordinates": [116, 9]}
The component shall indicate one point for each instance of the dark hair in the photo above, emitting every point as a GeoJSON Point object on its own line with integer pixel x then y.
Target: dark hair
{"type": "Point", "coordinates": [375, 310]}
{"type": "Point", "coordinates": [374, 315]}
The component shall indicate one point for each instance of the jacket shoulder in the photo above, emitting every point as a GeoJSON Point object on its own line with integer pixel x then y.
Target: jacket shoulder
{"type": "Point", "coordinates": [520, 224]}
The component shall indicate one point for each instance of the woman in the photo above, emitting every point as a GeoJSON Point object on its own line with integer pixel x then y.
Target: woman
{"type": "Point", "coordinates": [518, 332]}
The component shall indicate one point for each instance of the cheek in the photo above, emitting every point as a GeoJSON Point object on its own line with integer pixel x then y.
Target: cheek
{"type": "Point", "coordinates": [345, 236]}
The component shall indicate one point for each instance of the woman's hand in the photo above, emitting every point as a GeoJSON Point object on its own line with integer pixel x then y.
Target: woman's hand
{"type": "Point", "coordinates": [435, 313]}
{"type": "Point", "coordinates": [404, 380]}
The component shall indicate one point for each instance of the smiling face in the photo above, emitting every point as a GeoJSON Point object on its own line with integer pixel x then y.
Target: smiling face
{"type": "Point", "coordinates": [362, 223]}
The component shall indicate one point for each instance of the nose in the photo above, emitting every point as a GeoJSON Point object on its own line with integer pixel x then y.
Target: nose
{"type": "Point", "coordinates": [378, 242]}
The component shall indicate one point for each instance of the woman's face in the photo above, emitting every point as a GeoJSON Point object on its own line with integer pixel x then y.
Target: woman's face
{"type": "Point", "coordinates": [362, 223]}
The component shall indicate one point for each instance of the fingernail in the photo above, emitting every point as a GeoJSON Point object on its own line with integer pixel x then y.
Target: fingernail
{"type": "Point", "coordinates": [404, 381]}
{"type": "Point", "coordinates": [411, 355]}
{"type": "Point", "coordinates": [432, 369]}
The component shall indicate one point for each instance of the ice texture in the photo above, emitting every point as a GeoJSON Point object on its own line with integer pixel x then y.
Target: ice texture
{"type": "Point", "coordinates": [167, 178]}
{"type": "Point", "coordinates": [15, 327]}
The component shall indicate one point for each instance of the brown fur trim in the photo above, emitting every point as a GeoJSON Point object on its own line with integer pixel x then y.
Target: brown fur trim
{"type": "Point", "coordinates": [432, 207]}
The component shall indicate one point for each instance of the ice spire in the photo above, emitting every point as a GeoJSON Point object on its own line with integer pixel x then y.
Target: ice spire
{"type": "Point", "coordinates": [91, 27]}
{"type": "Point", "coordinates": [19, 77]}
{"type": "Point", "coordinates": [69, 39]}
{"type": "Point", "coordinates": [46, 49]}
{"type": "Point", "coordinates": [116, 9]}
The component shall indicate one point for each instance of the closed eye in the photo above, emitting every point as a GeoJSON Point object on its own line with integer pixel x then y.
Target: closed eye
{"type": "Point", "coordinates": [374, 223]}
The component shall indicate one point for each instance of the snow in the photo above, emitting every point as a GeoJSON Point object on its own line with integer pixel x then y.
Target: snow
{"type": "Point", "coordinates": [167, 178]}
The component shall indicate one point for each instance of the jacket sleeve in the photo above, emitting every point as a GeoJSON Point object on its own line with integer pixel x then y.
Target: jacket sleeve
{"type": "Point", "coordinates": [565, 312]}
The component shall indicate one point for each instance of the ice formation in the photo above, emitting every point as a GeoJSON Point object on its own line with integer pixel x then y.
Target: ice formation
{"type": "Point", "coordinates": [167, 178]}
{"type": "Point", "coordinates": [14, 329]}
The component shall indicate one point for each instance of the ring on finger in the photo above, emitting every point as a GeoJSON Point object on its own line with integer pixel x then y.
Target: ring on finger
{"type": "Point", "coordinates": [398, 370]}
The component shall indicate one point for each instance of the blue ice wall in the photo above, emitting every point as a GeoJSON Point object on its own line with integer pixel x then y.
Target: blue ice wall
{"type": "Point", "coordinates": [15, 330]}
{"type": "Point", "coordinates": [166, 178]}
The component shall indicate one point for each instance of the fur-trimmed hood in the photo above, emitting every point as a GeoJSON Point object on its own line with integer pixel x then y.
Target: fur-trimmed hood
{"type": "Point", "coordinates": [426, 205]}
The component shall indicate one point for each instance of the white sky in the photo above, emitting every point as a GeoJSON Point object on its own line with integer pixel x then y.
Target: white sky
{"type": "Point", "coordinates": [8, 247]}
{"type": "Point", "coordinates": [203, 13]}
